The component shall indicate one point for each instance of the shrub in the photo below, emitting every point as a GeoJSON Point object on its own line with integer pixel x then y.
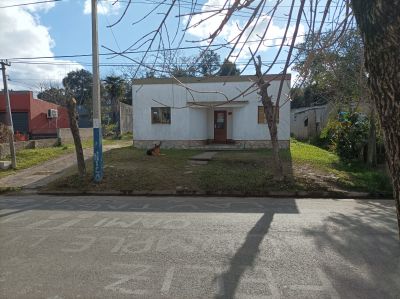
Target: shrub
{"type": "Point", "coordinates": [347, 135]}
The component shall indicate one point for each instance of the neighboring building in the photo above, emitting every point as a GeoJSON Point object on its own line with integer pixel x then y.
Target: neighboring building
{"type": "Point", "coordinates": [84, 118]}
{"type": "Point", "coordinates": [306, 123]}
{"type": "Point", "coordinates": [199, 113]}
{"type": "Point", "coordinates": [125, 116]}
{"type": "Point", "coordinates": [32, 117]}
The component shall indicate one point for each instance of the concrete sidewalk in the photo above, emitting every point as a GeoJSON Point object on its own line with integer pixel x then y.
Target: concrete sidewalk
{"type": "Point", "coordinates": [40, 175]}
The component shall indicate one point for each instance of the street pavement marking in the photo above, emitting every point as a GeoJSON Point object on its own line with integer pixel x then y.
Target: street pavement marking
{"type": "Point", "coordinates": [325, 287]}
{"type": "Point", "coordinates": [124, 278]}
{"type": "Point", "coordinates": [167, 280]}
{"type": "Point", "coordinates": [41, 239]}
{"type": "Point", "coordinates": [81, 246]}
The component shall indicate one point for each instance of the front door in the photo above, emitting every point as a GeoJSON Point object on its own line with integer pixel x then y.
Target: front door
{"type": "Point", "coordinates": [220, 126]}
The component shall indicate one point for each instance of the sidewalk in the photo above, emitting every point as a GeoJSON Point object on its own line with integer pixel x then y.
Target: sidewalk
{"type": "Point", "coordinates": [40, 175]}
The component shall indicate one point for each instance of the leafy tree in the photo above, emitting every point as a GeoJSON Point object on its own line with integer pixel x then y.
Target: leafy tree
{"type": "Point", "coordinates": [54, 95]}
{"type": "Point", "coordinates": [228, 68]}
{"type": "Point", "coordinates": [333, 73]}
{"type": "Point", "coordinates": [114, 87]}
{"type": "Point", "coordinates": [347, 135]}
{"type": "Point", "coordinates": [209, 62]}
{"type": "Point", "coordinates": [79, 85]}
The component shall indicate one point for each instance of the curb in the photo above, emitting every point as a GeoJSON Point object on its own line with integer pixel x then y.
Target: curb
{"type": "Point", "coordinates": [276, 194]}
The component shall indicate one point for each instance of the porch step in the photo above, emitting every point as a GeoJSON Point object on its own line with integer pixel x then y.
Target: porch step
{"type": "Point", "coordinates": [206, 156]}
{"type": "Point", "coordinates": [219, 147]}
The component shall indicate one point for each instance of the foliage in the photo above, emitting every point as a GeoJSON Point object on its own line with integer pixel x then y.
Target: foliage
{"type": "Point", "coordinates": [331, 73]}
{"type": "Point", "coordinates": [209, 62]}
{"type": "Point", "coordinates": [347, 135]}
{"type": "Point", "coordinates": [110, 130]}
{"type": "Point", "coordinates": [79, 84]}
{"type": "Point", "coordinates": [54, 95]}
{"type": "Point", "coordinates": [228, 68]}
{"type": "Point", "coordinates": [114, 87]}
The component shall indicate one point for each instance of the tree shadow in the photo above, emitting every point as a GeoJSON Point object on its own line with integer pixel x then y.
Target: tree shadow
{"type": "Point", "coordinates": [367, 249]}
{"type": "Point", "coordinates": [245, 256]}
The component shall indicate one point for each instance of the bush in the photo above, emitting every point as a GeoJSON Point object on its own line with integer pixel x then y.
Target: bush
{"type": "Point", "coordinates": [347, 135]}
{"type": "Point", "coordinates": [110, 131]}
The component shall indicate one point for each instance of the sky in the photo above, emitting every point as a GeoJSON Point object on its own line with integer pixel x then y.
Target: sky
{"type": "Point", "coordinates": [63, 28]}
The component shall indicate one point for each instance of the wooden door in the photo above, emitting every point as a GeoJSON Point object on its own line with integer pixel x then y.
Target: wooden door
{"type": "Point", "coordinates": [220, 126]}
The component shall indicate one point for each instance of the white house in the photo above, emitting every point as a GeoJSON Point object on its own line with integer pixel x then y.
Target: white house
{"type": "Point", "coordinates": [199, 111]}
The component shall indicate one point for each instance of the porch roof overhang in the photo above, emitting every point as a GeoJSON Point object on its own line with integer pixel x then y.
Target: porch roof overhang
{"type": "Point", "coordinates": [217, 104]}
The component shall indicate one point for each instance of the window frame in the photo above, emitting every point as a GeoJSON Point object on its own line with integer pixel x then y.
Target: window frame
{"type": "Point", "coordinates": [160, 111]}
{"type": "Point", "coordinates": [264, 117]}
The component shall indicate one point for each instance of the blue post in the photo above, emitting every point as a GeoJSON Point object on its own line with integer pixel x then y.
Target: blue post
{"type": "Point", "coordinates": [97, 137]}
{"type": "Point", "coordinates": [97, 155]}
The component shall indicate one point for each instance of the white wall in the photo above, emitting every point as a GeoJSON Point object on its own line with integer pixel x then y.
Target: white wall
{"type": "Point", "coordinates": [169, 95]}
{"type": "Point", "coordinates": [198, 123]}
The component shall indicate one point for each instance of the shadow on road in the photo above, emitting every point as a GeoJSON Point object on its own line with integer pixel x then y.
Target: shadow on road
{"type": "Point", "coordinates": [242, 260]}
{"type": "Point", "coordinates": [357, 250]}
{"type": "Point", "coordinates": [245, 256]}
{"type": "Point", "coordinates": [367, 243]}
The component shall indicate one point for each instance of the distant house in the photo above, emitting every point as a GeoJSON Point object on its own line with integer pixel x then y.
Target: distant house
{"type": "Point", "coordinates": [199, 113]}
{"type": "Point", "coordinates": [306, 123]}
{"type": "Point", "coordinates": [33, 117]}
{"type": "Point", "coordinates": [84, 118]}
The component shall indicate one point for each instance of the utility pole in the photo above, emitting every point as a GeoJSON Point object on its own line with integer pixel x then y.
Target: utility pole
{"type": "Point", "coordinates": [97, 136]}
{"type": "Point", "coordinates": [9, 121]}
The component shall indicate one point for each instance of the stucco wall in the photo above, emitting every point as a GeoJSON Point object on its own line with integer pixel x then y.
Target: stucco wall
{"type": "Point", "coordinates": [66, 136]}
{"type": "Point", "coordinates": [40, 124]}
{"type": "Point", "coordinates": [198, 123]}
{"type": "Point", "coordinates": [126, 120]}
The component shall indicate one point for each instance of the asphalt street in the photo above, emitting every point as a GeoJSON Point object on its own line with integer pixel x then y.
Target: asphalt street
{"type": "Point", "coordinates": [177, 247]}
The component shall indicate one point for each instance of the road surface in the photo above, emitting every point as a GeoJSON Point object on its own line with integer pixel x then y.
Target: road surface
{"type": "Point", "coordinates": [176, 247]}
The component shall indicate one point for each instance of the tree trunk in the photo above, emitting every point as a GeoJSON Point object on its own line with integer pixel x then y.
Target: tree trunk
{"type": "Point", "coordinates": [379, 24]}
{"type": "Point", "coordinates": [271, 112]}
{"type": "Point", "coordinates": [71, 105]}
{"type": "Point", "coordinates": [371, 158]}
{"type": "Point", "coordinates": [273, 131]}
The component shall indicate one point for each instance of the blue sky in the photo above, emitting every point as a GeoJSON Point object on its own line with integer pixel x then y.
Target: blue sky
{"type": "Point", "coordinates": [64, 28]}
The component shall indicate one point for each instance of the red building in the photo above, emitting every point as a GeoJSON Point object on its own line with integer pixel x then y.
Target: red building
{"type": "Point", "coordinates": [34, 117]}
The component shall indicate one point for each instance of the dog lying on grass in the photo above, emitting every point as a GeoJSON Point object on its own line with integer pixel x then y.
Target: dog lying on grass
{"type": "Point", "coordinates": [154, 151]}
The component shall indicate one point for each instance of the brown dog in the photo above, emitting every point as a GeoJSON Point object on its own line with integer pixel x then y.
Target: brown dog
{"type": "Point", "coordinates": [154, 151]}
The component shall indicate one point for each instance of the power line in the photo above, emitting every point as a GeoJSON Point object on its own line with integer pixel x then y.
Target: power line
{"type": "Point", "coordinates": [29, 3]}
{"type": "Point", "coordinates": [226, 45]}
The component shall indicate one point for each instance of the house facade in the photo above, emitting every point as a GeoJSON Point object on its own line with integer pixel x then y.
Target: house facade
{"type": "Point", "coordinates": [199, 111]}
{"type": "Point", "coordinates": [31, 116]}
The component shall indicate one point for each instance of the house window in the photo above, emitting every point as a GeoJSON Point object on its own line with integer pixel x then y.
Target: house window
{"type": "Point", "coordinates": [261, 115]}
{"type": "Point", "coordinates": [160, 115]}
{"type": "Point", "coordinates": [306, 122]}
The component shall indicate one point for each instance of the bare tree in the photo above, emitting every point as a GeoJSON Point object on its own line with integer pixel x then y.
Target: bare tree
{"type": "Point", "coordinates": [72, 115]}
{"type": "Point", "coordinates": [377, 20]}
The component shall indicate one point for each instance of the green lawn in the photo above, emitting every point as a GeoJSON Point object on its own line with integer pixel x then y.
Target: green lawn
{"type": "Point", "coordinates": [306, 167]}
{"type": "Point", "coordinates": [354, 176]}
{"type": "Point", "coordinates": [30, 157]}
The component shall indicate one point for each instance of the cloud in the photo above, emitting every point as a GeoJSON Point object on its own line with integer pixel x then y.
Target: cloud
{"type": "Point", "coordinates": [231, 30]}
{"type": "Point", "coordinates": [22, 35]}
{"type": "Point", "coordinates": [103, 7]}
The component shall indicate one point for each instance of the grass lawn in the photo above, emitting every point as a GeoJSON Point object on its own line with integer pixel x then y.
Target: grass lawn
{"type": "Point", "coordinates": [306, 167]}
{"type": "Point", "coordinates": [30, 157]}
